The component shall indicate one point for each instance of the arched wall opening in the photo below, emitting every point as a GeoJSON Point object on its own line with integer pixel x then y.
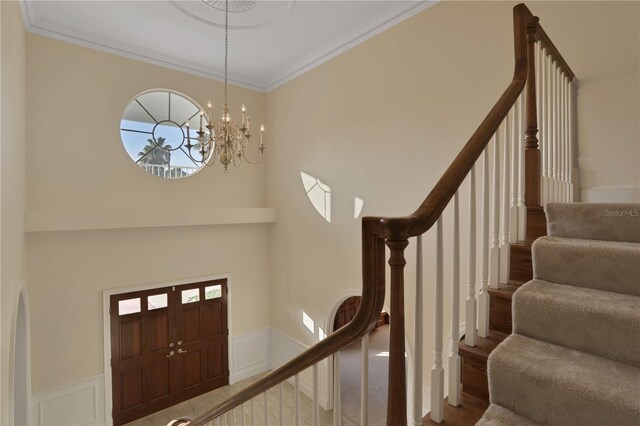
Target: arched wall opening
{"type": "Point", "coordinates": [329, 322]}
{"type": "Point", "coordinates": [21, 365]}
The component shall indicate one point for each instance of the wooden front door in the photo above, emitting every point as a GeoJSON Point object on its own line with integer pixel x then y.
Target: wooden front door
{"type": "Point", "coordinates": [167, 345]}
{"type": "Point", "coordinates": [202, 345]}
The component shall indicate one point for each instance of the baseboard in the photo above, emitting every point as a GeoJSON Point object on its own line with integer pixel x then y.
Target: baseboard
{"type": "Point", "coordinates": [251, 354]}
{"type": "Point", "coordinates": [610, 194]}
{"type": "Point", "coordinates": [78, 403]}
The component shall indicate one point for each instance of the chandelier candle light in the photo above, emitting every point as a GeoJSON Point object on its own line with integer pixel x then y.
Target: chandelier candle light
{"type": "Point", "coordinates": [224, 139]}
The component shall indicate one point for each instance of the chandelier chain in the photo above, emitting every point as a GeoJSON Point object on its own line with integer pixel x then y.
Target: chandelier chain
{"type": "Point", "coordinates": [226, 49]}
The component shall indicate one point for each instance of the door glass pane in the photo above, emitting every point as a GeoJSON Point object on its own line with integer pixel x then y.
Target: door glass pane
{"type": "Point", "coordinates": [157, 301]}
{"type": "Point", "coordinates": [191, 295]}
{"type": "Point", "coordinates": [129, 306]}
{"type": "Point", "coordinates": [212, 292]}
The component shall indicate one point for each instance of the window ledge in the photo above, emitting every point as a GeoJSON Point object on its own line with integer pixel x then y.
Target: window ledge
{"type": "Point", "coordinates": [82, 220]}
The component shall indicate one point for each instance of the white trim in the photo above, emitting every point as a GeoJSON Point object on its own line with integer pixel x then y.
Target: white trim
{"type": "Point", "coordinates": [93, 219]}
{"type": "Point", "coordinates": [610, 194]}
{"type": "Point", "coordinates": [106, 294]}
{"type": "Point", "coordinates": [37, 25]}
{"type": "Point", "coordinates": [61, 405]}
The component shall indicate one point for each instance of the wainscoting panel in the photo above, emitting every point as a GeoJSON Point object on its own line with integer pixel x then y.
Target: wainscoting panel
{"type": "Point", "coordinates": [250, 355]}
{"type": "Point", "coordinates": [79, 403]}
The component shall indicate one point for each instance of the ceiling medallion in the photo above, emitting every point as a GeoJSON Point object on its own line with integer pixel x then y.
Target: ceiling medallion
{"type": "Point", "coordinates": [251, 15]}
{"type": "Point", "coordinates": [237, 6]}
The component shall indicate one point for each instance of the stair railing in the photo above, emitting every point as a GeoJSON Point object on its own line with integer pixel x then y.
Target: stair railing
{"type": "Point", "coordinates": [508, 195]}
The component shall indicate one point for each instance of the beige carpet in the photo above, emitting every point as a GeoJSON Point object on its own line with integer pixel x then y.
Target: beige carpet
{"type": "Point", "coordinates": [574, 355]}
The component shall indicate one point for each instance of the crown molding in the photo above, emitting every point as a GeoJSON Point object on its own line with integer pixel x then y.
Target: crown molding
{"type": "Point", "coordinates": [347, 42]}
{"type": "Point", "coordinates": [37, 25]}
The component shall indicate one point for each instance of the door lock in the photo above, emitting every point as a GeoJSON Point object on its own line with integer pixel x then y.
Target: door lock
{"type": "Point", "coordinates": [179, 342]}
{"type": "Point", "coordinates": [172, 353]}
{"type": "Point", "coordinates": [171, 344]}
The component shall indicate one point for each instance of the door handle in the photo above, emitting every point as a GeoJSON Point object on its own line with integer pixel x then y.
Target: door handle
{"type": "Point", "coordinates": [180, 351]}
{"type": "Point", "coordinates": [172, 353]}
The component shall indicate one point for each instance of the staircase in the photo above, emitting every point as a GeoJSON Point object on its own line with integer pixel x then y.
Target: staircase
{"type": "Point", "coordinates": [523, 155]}
{"type": "Point", "coordinates": [574, 357]}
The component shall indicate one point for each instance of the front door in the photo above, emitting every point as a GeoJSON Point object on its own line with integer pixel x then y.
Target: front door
{"type": "Point", "coordinates": [202, 339]}
{"type": "Point", "coordinates": [167, 345]}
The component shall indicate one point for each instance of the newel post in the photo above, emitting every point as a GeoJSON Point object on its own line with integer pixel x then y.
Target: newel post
{"type": "Point", "coordinates": [532, 151]}
{"type": "Point", "coordinates": [397, 393]}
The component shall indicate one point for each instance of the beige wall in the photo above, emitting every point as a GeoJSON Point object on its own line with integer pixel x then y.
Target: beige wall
{"type": "Point", "coordinates": [383, 120]}
{"type": "Point", "coordinates": [76, 162]}
{"type": "Point", "coordinates": [12, 190]}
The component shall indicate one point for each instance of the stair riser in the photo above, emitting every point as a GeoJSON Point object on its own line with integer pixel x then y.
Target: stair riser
{"type": "Point", "coordinates": [500, 317]}
{"type": "Point", "coordinates": [474, 378]}
{"type": "Point", "coordinates": [520, 268]}
{"type": "Point", "coordinates": [536, 223]}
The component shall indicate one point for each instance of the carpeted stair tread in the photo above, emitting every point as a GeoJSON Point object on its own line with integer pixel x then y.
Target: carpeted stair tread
{"type": "Point", "coordinates": [550, 384]}
{"type": "Point", "coordinates": [598, 322]}
{"type": "Point", "coordinates": [497, 415]}
{"type": "Point", "coordinates": [594, 221]}
{"type": "Point", "coordinates": [603, 265]}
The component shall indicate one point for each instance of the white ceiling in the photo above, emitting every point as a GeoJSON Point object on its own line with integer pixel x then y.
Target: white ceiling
{"type": "Point", "coordinates": [270, 42]}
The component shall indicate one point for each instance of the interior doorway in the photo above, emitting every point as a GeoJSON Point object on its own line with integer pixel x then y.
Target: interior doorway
{"type": "Point", "coordinates": [351, 366]}
{"type": "Point", "coordinates": [21, 365]}
{"type": "Point", "coordinates": [167, 345]}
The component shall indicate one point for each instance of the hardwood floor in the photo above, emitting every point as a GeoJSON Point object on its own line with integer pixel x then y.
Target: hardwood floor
{"type": "Point", "coordinates": [467, 413]}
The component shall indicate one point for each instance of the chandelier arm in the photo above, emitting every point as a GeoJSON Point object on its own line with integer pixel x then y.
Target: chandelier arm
{"type": "Point", "coordinates": [252, 162]}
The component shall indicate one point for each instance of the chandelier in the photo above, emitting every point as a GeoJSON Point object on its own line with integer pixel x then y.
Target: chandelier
{"type": "Point", "coordinates": [223, 140]}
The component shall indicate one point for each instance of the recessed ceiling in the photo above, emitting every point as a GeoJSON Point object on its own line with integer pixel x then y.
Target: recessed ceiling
{"type": "Point", "coordinates": [270, 42]}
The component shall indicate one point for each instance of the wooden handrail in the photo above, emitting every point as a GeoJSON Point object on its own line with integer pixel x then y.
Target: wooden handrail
{"type": "Point", "coordinates": [377, 230]}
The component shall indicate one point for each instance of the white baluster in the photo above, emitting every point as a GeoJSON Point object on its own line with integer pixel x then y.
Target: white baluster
{"type": "Point", "coordinates": [316, 403]}
{"type": "Point", "coordinates": [553, 140]}
{"type": "Point", "coordinates": [242, 420]}
{"type": "Point", "coordinates": [337, 407]}
{"type": "Point", "coordinates": [217, 421]}
{"type": "Point", "coordinates": [437, 372]}
{"type": "Point", "coordinates": [253, 414]}
{"type": "Point", "coordinates": [282, 403]}
{"type": "Point", "coordinates": [418, 358]}
{"type": "Point", "coordinates": [265, 409]}
{"type": "Point", "coordinates": [563, 172]}
{"type": "Point", "coordinates": [522, 208]}
{"type": "Point", "coordinates": [364, 383]}
{"type": "Point", "coordinates": [296, 396]}
{"type": "Point", "coordinates": [483, 298]}
{"type": "Point", "coordinates": [470, 321]}
{"type": "Point", "coordinates": [548, 126]}
{"type": "Point", "coordinates": [540, 72]}
{"type": "Point", "coordinates": [570, 113]}
{"type": "Point", "coordinates": [226, 419]}
{"type": "Point", "coordinates": [454, 358]}
{"type": "Point", "coordinates": [513, 166]}
{"type": "Point", "coordinates": [504, 236]}
{"type": "Point", "coordinates": [495, 214]}
{"type": "Point", "coordinates": [556, 132]}
{"type": "Point", "coordinates": [567, 142]}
